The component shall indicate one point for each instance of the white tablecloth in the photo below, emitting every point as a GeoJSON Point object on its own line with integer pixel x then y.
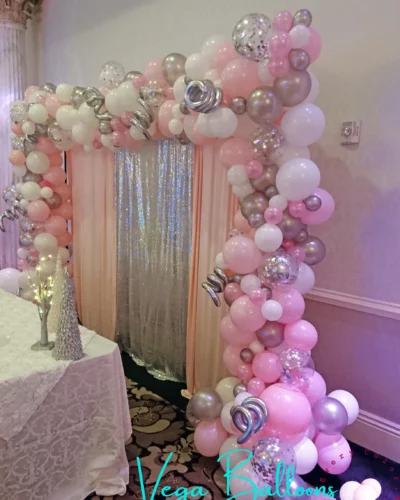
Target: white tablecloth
{"type": "Point", "coordinates": [63, 425]}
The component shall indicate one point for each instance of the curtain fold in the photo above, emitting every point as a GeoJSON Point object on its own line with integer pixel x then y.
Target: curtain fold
{"type": "Point", "coordinates": [214, 206]}
{"type": "Point", "coordinates": [94, 238]}
{"type": "Point", "coordinates": [154, 199]}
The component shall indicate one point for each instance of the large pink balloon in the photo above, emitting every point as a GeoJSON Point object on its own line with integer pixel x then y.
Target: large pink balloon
{"type": "Point", "coordinates": [65, 210]}
{"type": "Point", "coordinates": [256, 386]}
{"type": "Point", "coordinates": [232, 335]}
{"type": "Point", "coordinates": [240, 223]}
{"type": "Point", "coordinates": [231, 358]}
{"type": "Point", "coordinates": [240, 77]}
{"type": "Point", "coordinates": [324, 212]}
{"type": "Point", "coordinates": [314, 45]}
{"type": "Point", "coordinates": [55, 225]}
{"type": "Point", "coordinates": [55, 175]}
{"type": "Point", "coordinates": [266, 367]}
{"type": "Point", "coordinates": [334, 453]}
{"type": "Point", "coordinates": [153, 70]}
{"type": "Point", "coordinates": [224, 55]}
{"type": "Point", "coordinates": [52, 104]}
{"type": "Point", "coordinates": [241, 254]}
{"type": "Point", "coordinates": [235, 151]}
{"type": "Point", "coordinates": [315, 389]}
{"type": "Point", "coordinates": [292, 303]}
{"type": "Point", "coordinates": [45, 145]}
{"type": "Point", "coordinates": [301, 334]}
{"type": "Point", "coordinates": [165, 116]}
{"type": "Point", "coordinates": [38, 211]}
{"type": "Point", "coordinates": [288, 409]}
{"type": "Point", "coordinates": [209, 437]}
{"type": "Point", "coordinates": [245, 315]}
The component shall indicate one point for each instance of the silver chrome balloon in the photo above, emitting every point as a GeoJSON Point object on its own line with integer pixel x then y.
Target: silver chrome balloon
{"type": "Point", "coordinates": [202, 96]}
{"type": "Point", "coordinates": [142, 119]}
{"type": "Point", "coordinates": [95, 99]}
{"type": "Point", "coordinates": [50, 88]}
{"type": "Point", "coordinates": [216, 284]}
{"type": "Point", "coordinates": [249, 417]}
{"type": "Point", "coordinates": [12, 213]}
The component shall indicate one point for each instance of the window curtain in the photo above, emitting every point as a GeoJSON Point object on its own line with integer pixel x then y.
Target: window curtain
{"type": "Point", "coordinates": [154, 219]}
{"type": "Point", "coordinates": [214, 206]}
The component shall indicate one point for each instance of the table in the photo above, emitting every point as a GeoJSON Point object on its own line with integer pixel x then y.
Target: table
{"type": "Point", "coordinates": [63, 425]}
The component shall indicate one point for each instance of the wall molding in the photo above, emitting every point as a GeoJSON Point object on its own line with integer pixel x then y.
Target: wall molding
{"type": "Point", "coordinates": [355, 302]}
{"type": "Point", "coordinates": [376, 434]}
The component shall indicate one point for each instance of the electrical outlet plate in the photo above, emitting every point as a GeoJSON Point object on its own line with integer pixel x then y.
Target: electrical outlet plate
{"type": "Point", "coordinates": [350, 133]}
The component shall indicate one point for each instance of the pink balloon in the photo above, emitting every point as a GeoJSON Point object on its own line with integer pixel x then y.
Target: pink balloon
{"type": "Point", "coordinates": [314, 44]}
{"type": "Point", "coordinates": [240, 77]}
{"type": "Point", "coordinates": [293, 305]}
{"type": "Point", "coordinates": [280, 45]}
{"type": "Point", "coordinates": [200, 139]}
{"type": "Point", "coordinates": [225, 54]}
{"type": "Point", "coordinates": [17, 158]}
{"type": "Point", "coordinates": [38, 210]}
{"type": "Point", "coordinates": [288, 409]}
{"type": "Point", "coordinates": [65, 210]}
{"type": "Point", "coordinates": [245, 315]}
{"type": "Point", "coordinates": [273, 215]}
{"type": "Point", "coordinates": [138, 81]}
{"type": "Point", "coordinates": [55, 225]}
{"type": "Point", "coordinates": [232, 292]}
{"type": "Point", "coordinates": [301, 334]}
{"type": "Point", "coordinates": [154, 70]}
{"type": "Point", "coordinates": [165, 116]}
{"type": "Point", "coordinates": [288, 245]}
{"type": "Point", "coordinates": [56, 159]}
{"type": "Point", "coordinates": [232, 335]}
{"type": "Point", "coordinates": [45, 145]}
{"type": "Point", "coordinates": [315, 389]}
{"type": "Point", "coordinates": [116, 124]}
{"type": "Point", "coordinates": [104, 90]}
{"type": "Point", "coordinates": [298, 253]}
{"type": "Point", "coordinates": [258, 296]}
{"type": "Point", "coordinates": [41, 99]}
{"type": "Point", "coordinates": [365, 492]}
{"type": "Point", "coordinates": [209, 437]}
{"type": "Point", "coordinates": [241, 254]}
{"type": "Point", "coordinates": [244, 371]}
{"type": "Point", "coordinates": [55, 176]}
{"type": "Point", "coordinates": [234, 151]}
{"type": "Point", "coordinates": [52, 104]}
{"type": "Point", "coordinates": [117, 138]}
{"type": "Point", "coordinates": [254, 169]}
{"type": "Point", "coordinates": [296, 208]}
{"type": "Point", "coordinates": [334, 453]}
{"type": "Point", "coordinates": [64, 240]}
{"type": "Point", "coordinates": [17, 128]}
{"type": "Point", "coordinates": [126, 118]}
{"type": "Point", "coordinates": [324, 212]}
{"type": "Point", "coordinates": [65, 191]}
{"type": "Point", "coordinates": [97, 144]}
{"type": "Point", "coordinates": [240, 223]}
{"type": "Point", "coordinates": [255, 386]}
{"type": "Point", "coordinates": [278, 66]}
{"type": "Point", "coordinates": [266, 367]}
{"type": "Point", "coordinates": [30, 90]}
{"type": "Point", "coordinates": [231, 358]}
{"type": "Point", "coordinates": [283, 21]}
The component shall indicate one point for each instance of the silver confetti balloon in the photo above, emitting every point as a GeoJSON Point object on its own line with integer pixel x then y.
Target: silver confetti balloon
{"type": "Point", "coordinates": [299, 59]}
{"type": "Point", "coordinates": [18, 111]}
{"type": "Point", "coordinates": [78, 97]}
{"type": "Point", "coordinates": [61, 138]}
{"type": "Point", "coordinates": [303, 17]}
{"type": "Point", "coordinates": [266, 179]}
{"type": "Point", "coordinates": [278, 270]}
{"type": "Point", "coordinates": [50, 88]}
{"type": "Point", "coordinates": [271, 334]}
{"type": "Point", "coordinates": [329, 416]}
{"type": "Point", "coordinates": [246, 355]}
{"type": "Point", "coordinates": [251, 36]}
{"type": "Point", "coordinates": [313, 203]}
{"type": "Point", "coordinates": [153, 93]}
{"type": "Point", "coordinates": [18, 143]}
{"type": "Point", "coordinates": [263, 105]}
{"type": "Point", "coordinates": [240, 387]}
{"type": "Point", "coordinates": [293, 358]}
{"type": "Point", "coordinates": [173, 66]}
{"type": "Point", "coordinates": [206, 404]}
{"type": "Point", "coordinates": [267, 143]}
{"type": "Point", "coordinates": [26, 240]}
{"type": "Point", "coordinates": [111, 74]}
{"type": "Point", "coordinates": [27, 226]}
{"type": "Point", "coordinates": [290, 226]}
{"type": "Point", "coordinates": [238, 105]}
{"type": "Point", "coordinates": [253, 203]}
{"type": "Point", "coordinates": [267, 454]}
{"type": "Point", "coordinates": [315, 250]}
{"type": "Point", "coordinates": [298, 377]}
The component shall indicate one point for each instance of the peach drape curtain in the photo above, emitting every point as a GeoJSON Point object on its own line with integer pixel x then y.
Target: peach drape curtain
{"type": "Point", "coordinates": [214, 206]}
{"type": "Point", "coordinates": [94, 238]}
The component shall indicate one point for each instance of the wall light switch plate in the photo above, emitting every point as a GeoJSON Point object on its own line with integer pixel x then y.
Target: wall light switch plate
{"type": "Point", "coordinates": [350, 133]}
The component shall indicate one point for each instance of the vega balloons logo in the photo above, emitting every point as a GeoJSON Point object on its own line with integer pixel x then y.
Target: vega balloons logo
{"type": "Point", "coordinates": [283, 483]}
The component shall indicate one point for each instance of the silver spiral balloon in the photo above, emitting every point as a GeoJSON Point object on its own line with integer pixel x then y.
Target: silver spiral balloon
{"type": "Point", "coordinates": [95, 99]}
{"type": "Point", "coordinates": [12, 213]}
{"type": "Point", "coordinates": [202, 96]}
{"type": "Point", "coordinates": [249, 417]}
{"type": "Point", "coordinates": [216, 284]}
{"type": "Point", "coordinates": [142, 120]}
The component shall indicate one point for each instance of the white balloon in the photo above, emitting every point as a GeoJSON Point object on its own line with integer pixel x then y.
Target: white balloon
{"type": "Point", "coordinates": [19, 171]}
{"type": "Point", "coordinates": [263, 73]}
{"type": "Point", "coordinates": [82, 133]}
{"type": "Point", "coordinates": [303, 124]}
{"type": "Point", "coordinates": [86, 115]}
{"type": "Point", "coordinates": [38, 113]}
{"type": "Point", "coordinates": [67, 117]}
{"type": "Point", "coordinates": [188, 126]}
{"type": "Point", "coordinates": [136, 134]}
{"type": "Point", "coordinates": [223, 123]}
{"type": "Point", "coordinates": [278, 201]}
{"type": "Point", "coordinates": [241, 484]}
{"type": "Point", "coordinates": [242, 191]}
{"type": "Point", "coordinates": [24, 203]}
{"type": "Point", "coordinates": [46, 192]}
{"type": "Point", "coordinates": [290, 152]}
{"type": "Point", "coordinates": [203, 124]}
{"type": "Point", "coordinates": [231, 446]}
{"type": "Point", "coordinates": [196, 66]}
{"type": "Point", "coordinates": [250, 282]}
{"type": "Point", "coordinates": [306, 456]}
{"type": "Point", "coordinates": [105, 139]}
{"type": "Point", "coordinates": [9, 280]}
{"type": "Point", "coordinates": [31, 191]}
{"type": "Point", "coordinates": [297, 179]}
{"type": "Point", "coordinates": [211, 46]}
{"type": "Point", "coordinates": [28, 128]}
{"type": "Point", "coordinates": [47, 267]}
{"type": "Point", "coordinates": [226, 419]}
{"type": "Point", "coordinates": [241, 397]}
{"type": "Point", "coordinates": [152, 129]}
{"type": "Point", "coordinates": [237, 176]}
{"type": "Point", "coordinates": [256, 346]}
{"type": "Point", "coordinates": [64, 254]}
{"type": "Point", "coordinates": [300, 36]}
{"type": "Point", "coordinates": [18, 186]}
{"type": "Point", "coordinates": [219, 261]}
{"type": "Point", "coordinates": [127, 97]}
{"type": "Point", "coordinates": [45, 243]}
{"type": "Point", "coordinates": [271, 310]}
{"type": "Point", "coordinates": [349, 402]}
{"type": "Point", "coordinates": [37, 162]}
{"type": "Point", "coordinates": [25, 276]}
{"type": "Point", "coordinates": [35, 95]}
{"type": "Point", "coordinates": [225, 388]}
{"type": "Point", "coordinates": [347, 491]}
{"type": "Point", "coordinates": [268, 237]}
{"type": "Point", "coordinates": [64, 92]}
{"type": "Point", "coordinates": [175, 126]}
{"type": "Point", "coordinates": [113, 103]}
{"type": "Point", "coordinates": [305, 280]}
{"type": "Point", "coordinates": [179, 88]}
{"type": "Point", "coordinates": [314, 92]}
{"type": "Point", "coordinates": [22, 253]}
{"type": "Point", "coordinates": [28, 295]}
{"type": "Point", "coordinates": [176, 112]}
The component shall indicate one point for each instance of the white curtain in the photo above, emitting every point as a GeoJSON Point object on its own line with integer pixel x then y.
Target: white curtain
{"type": "Point", "coordinates": [12, 86]}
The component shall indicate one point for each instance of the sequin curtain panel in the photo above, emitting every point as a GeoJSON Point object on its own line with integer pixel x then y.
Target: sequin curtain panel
{"type": "Point", "coordinates": [154, 218]}
{"type": "Point", "coordinates": [12, 85]}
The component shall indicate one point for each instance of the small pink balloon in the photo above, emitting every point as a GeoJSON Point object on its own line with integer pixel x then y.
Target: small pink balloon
{"type": "Point", "coordinates": [138, 81]}
{"type": "Point", "coordinates": [231, 358]}
{"type": "Point", "coordinates": [292, 303]}
{"type": "Point", "coordinates": [209, 436]}
{"type": "Point", "coordinates": [315, 389]}
{"type": "Point", "coordinates": [165, 116]}
{"type": "Point", "coordinates": [324, 212]}
{"type": "Point", "coordinates": [29, 91]}
{"type": "Point", "coordinates": [232, 335]}
{"type": "Point", "coordinates": [56, 160]}
{"type": "Point", "coordinates": [45, 145]}
{"type": "Point", "coordinates": [97, 144]}
{"type": "Point", "coordinates": [283, 21]}
{"type": "Point", "coordinates": [104, 90]}
{"type": "Point", "coordinates": [55, 175]}
{"type": "Point", "coordinates": [240, 223]}
{"type": "Point", "coordinates": [116, 124]}
{"type": "Point", "coordinates": [240, 77]}
{"type": "Point", "coordinates": [258, 296]}
{"type": "Point", "coordinates": [288, 245]}
{"type": "Point", "coordinates": [154, 70]}
{"type": "Point", "coordinates": [245, 315]}
{"type": "Point", "coordinates": [241, 254]}
{"type": "Point", "coordinates": [17, 128]}
{"type": "Point", "coordinates": [38, 210]}
{"type": "Point", "coordinates": [126, 118]}
{"type": "Point", "coordinates": [64, 240]}
{"type": "Point", "coordinates": [298, 253]}
{"type": "Point", "coordinates": [17, 158]}
{"type": "Point", "coordinates": [226, 101]}
{"type": "Point", "coordinates": [244, 371]}
{"type": "Point", "coordinates": [296, 208]}
{"type": "Point", "coordinates": [254, 169]}
{"type": "Point", "coordinates": [365, 492]}
{"type": "Point", "coordinates": [278, 66]}
{"type": "Point", "coordinates": [55, 225]}
{"type": "Point", "coordinates": [314, 45]}
{"type": "Point", "coordinates": [334, 453]}
{"type": "Point", "coordinates": [41, 99]}
{"type": "Point", "coordinates": [116, 138]}
{"type": "Point", "coordinates": [232, 292]}
{"type": "Point", "coordinates": [374, 483]}
{"type": "Point", "coordinates": [234, 151]}
{"type": "Point", "coordinates": [65, 191]}
{"type": "Point", "coordinates": [280, 45]}
{"type": "Point", "coordinates": [266, 366]}
{"type": "Point", "coordinates": [65, 210]}
{"type": "Point", "coordinates": [52, 104]}
{"type": "Point", "coordinates": [255, 386]}
{"type": "Point", "coordinates": [224, 55]}
{"type": "Point", "coordinates": [301, 334]}
{"type": "Point", "coordinates": [273, 215]}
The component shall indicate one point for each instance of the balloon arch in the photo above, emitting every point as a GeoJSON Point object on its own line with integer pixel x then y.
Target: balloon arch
{"type": "Point", "coordinates": [256, 93]}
